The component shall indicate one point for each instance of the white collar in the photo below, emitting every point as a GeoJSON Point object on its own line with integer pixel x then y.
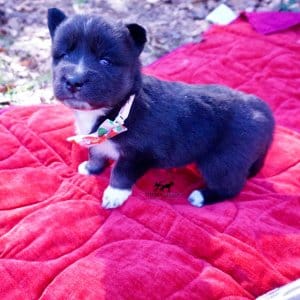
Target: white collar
{"type": "Point", "coordinates": [124, 111]}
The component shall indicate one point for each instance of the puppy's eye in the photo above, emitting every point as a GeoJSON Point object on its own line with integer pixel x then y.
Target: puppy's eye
{"type": "Point", "coordinates": [60, 56]}
{"type": "Point", "coordinates": [64, 55]}
{"type": "Point", "coordinates": [104, 61]}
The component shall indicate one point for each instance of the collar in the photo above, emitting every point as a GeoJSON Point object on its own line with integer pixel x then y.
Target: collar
{"type": "Point", "coordinates": [107, 129]}
{"type": "Point", "coordinates": [124, 111]}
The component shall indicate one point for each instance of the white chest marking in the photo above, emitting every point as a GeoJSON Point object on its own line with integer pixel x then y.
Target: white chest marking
{"type": "Point", "coordinates": [86, 119]}
{"type": "Point", "coordinates": [107, 149]}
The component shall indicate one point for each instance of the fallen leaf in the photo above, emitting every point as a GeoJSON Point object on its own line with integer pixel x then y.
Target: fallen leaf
{"type": "Point", "coordinates": [29, 63]}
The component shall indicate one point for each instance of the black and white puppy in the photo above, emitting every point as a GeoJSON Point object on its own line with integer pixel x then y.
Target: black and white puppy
{"type": "Point", "coordinates": [96, 69]}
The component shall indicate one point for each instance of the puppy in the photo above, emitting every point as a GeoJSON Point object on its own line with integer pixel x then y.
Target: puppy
{"type": "Point", "coordinates": [96, 69]}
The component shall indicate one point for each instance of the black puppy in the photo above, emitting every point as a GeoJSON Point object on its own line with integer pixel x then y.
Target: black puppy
{"type": "Point", "coordinates": [96, 69]}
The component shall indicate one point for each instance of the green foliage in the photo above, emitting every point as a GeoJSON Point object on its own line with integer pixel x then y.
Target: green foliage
{"type": "Point", "coordinates": [289, 5]}
{"type": "Point", "coordinates": [80, 2]}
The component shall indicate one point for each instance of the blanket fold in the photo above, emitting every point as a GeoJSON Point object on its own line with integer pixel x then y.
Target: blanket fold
{"type": "Point", "coordinates": [270, 22]}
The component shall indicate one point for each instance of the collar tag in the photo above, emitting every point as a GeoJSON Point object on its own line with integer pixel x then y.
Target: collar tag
{"type": "Point", "coordinates": [107, 129]}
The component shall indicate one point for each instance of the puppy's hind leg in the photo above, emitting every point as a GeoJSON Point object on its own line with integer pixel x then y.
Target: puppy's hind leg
{"type": "Point", "coordinates": [257, 165]}
{"type": "Point", "coordinates": [223, 181]}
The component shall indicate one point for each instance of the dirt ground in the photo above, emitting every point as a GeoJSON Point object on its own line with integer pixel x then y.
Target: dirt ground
{"type": "Point", "coordinates": [25, 76]}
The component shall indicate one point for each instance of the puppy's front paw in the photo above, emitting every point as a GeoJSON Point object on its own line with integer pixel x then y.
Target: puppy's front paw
{"type": "Point", "coordinates": [83, 169]}
{"type": "Point", "coordinates": [113, 197]}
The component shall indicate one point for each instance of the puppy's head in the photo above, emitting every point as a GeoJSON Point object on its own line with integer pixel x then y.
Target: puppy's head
{"type": "Point", "coordinates": [95, 64]}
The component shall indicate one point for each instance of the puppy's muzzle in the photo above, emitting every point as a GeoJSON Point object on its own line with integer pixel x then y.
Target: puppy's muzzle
{"type": "Point", "coordinates": [74, 82]}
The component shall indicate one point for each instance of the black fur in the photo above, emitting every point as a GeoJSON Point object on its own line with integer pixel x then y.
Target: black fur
{"type": "Point", "coordinates": [55, 17]}
{"type": "Point", "coordinates": [226, 132]}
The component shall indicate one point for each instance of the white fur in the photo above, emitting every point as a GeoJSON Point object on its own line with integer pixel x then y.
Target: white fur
{"type": "Point", "coordinates": [113, 197]}
{"type": "Point", "coordinates": [196, 198]}
{"type": "Point", "coordinates": [85, 119]}
{"type": "Point", "coordinates": [80, 67]}
{"type": "Point", "coordinates": [258, 115]}
{"type": "Point", "coordinates": [107, 149]}
{"type": "Point", "coordinates": [82, 169]}
{"type": "Point", "coordinates": [87, 24]}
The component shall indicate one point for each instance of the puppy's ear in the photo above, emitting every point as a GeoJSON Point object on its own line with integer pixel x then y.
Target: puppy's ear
{"type": "Point", "coordinates": [55, 17]}
{"type": "Point", "coordinates": [138, 34]}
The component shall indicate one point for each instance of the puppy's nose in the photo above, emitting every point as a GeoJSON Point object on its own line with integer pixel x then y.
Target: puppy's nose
{"type": "Point", "coordinates": [74, 82]}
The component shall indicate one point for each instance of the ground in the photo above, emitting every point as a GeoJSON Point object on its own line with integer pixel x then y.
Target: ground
{"type": "Point", "coordinates": [25, 76]}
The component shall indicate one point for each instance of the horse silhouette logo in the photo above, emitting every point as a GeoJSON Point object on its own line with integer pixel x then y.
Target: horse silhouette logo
{"type": "Point", "coordinates": [159, 186]}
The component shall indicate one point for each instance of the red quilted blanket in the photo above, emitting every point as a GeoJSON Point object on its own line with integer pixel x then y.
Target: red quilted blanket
{"type": "Point", "coordinates": [56, 242]}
